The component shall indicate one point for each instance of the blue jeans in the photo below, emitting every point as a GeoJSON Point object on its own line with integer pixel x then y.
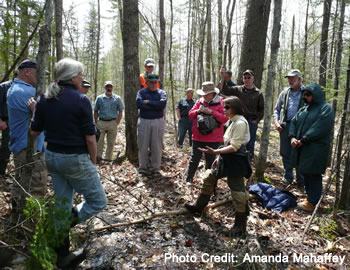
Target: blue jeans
{"type": "Point", "coordinates": [185, 124]}
{"type": "Point", "coordinates": [313, 187]}
{"type": "Point", "coordinates": [251, 144]}
{"type": "Point", "coordinates": [285, 151]}
{"type": "Point", "coordinates": [76, 173]}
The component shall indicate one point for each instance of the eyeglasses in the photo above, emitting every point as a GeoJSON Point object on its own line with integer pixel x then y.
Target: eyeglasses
{"type": "Point", "coordinates": [246, 78]}
{"type": "Point", "coordinates": [307, 94]}
{"type": "Point", "coordinates": [227, 107]}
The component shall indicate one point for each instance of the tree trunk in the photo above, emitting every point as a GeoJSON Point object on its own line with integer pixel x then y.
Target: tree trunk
{"type": "Point", "coordinates": [306, 30]}
{"type": "Point", "coordinates": [332, 51]}
{"type": "Point", "coordinates": [44, 45]}
{"type": "Point", "coordinates": [340, 148]}
{"type": "Point", "coordinates": [58, 19]}
{"type": "Point", "coordinates": [201, 46]}
{"type": "Point", "coordinates": [171, 68]}
{"type": "Point", "coordinates": [228, 34]}
{"type": "Point", "coordinates": [271, 73]}
{"type": "Point", "coordinates": [97, 47]}
{"type": "Point", "coordinates": [208, 48]}
{"type": "Point", "coordinates": [162, 40]}
{"type": "Point", "coordinates": [324, 43]}
{"type": "Point", "coordinates": [131, 74]}
{"type": "Point", "coordinates": [344, 202]}
{"type": "Point", "coordinates": [254, 39]}
{"type": "Point", "coordinates": [292, 53]}
{"type": "Point", "coordinates": [24, 24]}
{"type": "Point", "coordinates": [220, 34]}
{"type": "Point", "coordinates": [188, 44]}
{"type": "Point", "coordinates": [337, 67]}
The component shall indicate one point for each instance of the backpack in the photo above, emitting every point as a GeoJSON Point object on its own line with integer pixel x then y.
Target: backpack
{"type": "Point", "coordinates": [206, 123]}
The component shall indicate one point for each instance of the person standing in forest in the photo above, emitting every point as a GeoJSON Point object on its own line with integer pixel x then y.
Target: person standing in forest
{"type": "Point", "coordinates": [310, 138]}
{"type": "Point", "coordinates": [65, 115]}
{"type": "Point", "coordinates": [210, 106]}
{"type": "Point", "coordinates": [85, 86]}
{"type": "Point", "coordinates": [252, 101]}
{"type": "Point", "coordinates": [182, 110]}
{"type": "Point", "coordinates": [4, 125]}
{"type": "Point", "coordinates": [151, 102]}
{"type": "Point", "coordinates": [108, 113]}
{"type": "Point", "coordinates": [289, 102]}
{"type": "Point", "coordinates": [21, 104]}
{"type": "Point", "coordinates": [149, 67]}
{"type": "Point", "coordinates": [227, 76]}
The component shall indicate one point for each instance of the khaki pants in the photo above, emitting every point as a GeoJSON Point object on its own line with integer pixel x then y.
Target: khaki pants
{"type": "Point", "coordinates": [36, 185]}
{"type": "Point", "coordinates": [239, 195]}
{"type": "Point", "coordinates": [108, 128]}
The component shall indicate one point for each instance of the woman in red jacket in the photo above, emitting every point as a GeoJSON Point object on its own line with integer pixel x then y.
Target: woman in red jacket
{"type": "Point", "coordinates": [210, 104]}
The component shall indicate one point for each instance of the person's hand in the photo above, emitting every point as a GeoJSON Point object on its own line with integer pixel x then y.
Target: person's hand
{"type": "Point", "coordinates": [295, 143]}
{"type": "Point", "coordinates": [146, 101]}
{"type": "Point", "coordinates": [31, 104]}
{"type": "Point", "coordinates": [222, 71]}
{"type": "Point", "coordinates": [214, 163]}
{"type": "Point", "coordinates": [278, 126]}
{"type": "Point", "coordinates": [3, 125]}
{"type": "Point", "coordinates": [255, 122]}
{"type": "Point", "coordinates": [207, 150]}
{"type": "Point", "coordinates": [206, 110]}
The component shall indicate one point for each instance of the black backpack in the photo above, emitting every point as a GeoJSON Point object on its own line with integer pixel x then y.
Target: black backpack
{"type": "Point", "coordinates": [206, 123]}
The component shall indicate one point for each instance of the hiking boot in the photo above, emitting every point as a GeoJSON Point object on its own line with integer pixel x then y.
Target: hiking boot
{"type": "Point", "coordinates": [307, 206]}
{"type": "Point", "coordinates": [72, 259]}
{"type": "Point", "coordinates": [201, 203]}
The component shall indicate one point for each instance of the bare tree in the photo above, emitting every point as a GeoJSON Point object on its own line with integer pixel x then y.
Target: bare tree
{"type": "Point", "coordinates": [162, 40]}
{"type": "Point", "coordinates": [292, 52]}
{"type": "Point", "coordinates": [171, 66]}
{"type": "Point", "coordinates": [97, 47]}
{"type": "Point", "coordinates": [208, 47]}
{"type": "Point", "coordinates": [306, 31]}
{"type": "Point", "coordinates": [254, 39]}
{"type": "Point", "coordinates": [271, 73]}
{"type": "Point", "coordinates": [58, 34]}
{"type": "Point", "coordinates": [131, 73]}
{"type": "Point", "coordinates": [324, 43]}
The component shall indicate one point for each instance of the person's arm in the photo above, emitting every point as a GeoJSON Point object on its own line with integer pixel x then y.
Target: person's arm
{"type": "Point", "coordinates": [219, 114]}
{"type": "Point", "coordinates": [95, 116]}
{"type": "Point", "coordinates": [92, 148]}
{"type": "Point", "coordinates": [223, 150]}
{"type": "Point", "coordinates": [120, 116]}
{"type": "Point", "coordinates": [140, 102]}
{"type": "Point", "coordinates": [261, 104]}
{"type": "Point", "coordinates": [3, 125]}
{"type": "Point", "coordinates": [192, 114]}
{"type": "Point", "coordinates": [159, 104]}
{"type": "Point", "coordinates": [178, 114]}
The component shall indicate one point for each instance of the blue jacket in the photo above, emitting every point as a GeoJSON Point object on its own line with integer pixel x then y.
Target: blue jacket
{"type": "Point", "coordinates": [272, 198]}
{"type": "Point", "coordinates": [19, 115]}
{"type": "Point", "coordinates": [157, 102]}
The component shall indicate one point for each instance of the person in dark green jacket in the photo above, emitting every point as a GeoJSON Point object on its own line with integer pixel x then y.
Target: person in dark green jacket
{"type": "Point", "coordinates": [310, 139]}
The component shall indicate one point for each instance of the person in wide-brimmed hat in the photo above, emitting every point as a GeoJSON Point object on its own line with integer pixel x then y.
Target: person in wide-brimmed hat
{"type": "Point", "coordinates": [211, 104]}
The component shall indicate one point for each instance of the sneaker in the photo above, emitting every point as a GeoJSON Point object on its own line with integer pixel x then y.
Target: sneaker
{"type": "Point", "coordinates": [306, 205]}
{"type": "Point", "coordinates": [189, 181]}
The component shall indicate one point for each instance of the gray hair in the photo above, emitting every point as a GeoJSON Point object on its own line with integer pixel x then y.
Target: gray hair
{"type": "Point", "coordinates": [65, 70]}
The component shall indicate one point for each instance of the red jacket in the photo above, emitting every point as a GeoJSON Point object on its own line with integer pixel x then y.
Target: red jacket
{"type": "Point", "coordinates": [217, 106]}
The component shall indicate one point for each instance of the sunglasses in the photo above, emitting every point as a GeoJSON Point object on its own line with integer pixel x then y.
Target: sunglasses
{"type": "Point", "coordinates": [307, 94]}
{"type": "Point", "coordinates": [227, 107]}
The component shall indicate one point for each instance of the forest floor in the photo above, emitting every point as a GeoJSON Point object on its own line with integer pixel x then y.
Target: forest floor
{"type": "Point", "coordinates": [145, 224]}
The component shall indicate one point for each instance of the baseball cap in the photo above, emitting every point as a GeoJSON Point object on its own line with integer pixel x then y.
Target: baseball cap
{"type": "Point", "coordinates": [28, 63]}
{"type": "Point", "coordinates": [149, 62]}
{"type": "Point", "coordinates": [108, 83]}
{"type": "Point", "coordinates": [248, 71]}
{"type": "Point", "coordinates": [85, 83]}
{"type": "Point", "coordinates": [152, 77]}
{"type": "Point", "coordinates": [294, 73]}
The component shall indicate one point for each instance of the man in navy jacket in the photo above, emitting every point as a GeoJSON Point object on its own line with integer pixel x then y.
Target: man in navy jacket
{"type": "Point", "coordinates": [151, 102]}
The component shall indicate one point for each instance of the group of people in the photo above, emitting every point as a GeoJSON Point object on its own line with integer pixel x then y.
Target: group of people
{"type": "Point", "coordinates": [64, 114]}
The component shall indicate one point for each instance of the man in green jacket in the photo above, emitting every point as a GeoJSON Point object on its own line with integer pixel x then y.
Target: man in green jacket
{"type": "Point", "coordinates": [310, 140]}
